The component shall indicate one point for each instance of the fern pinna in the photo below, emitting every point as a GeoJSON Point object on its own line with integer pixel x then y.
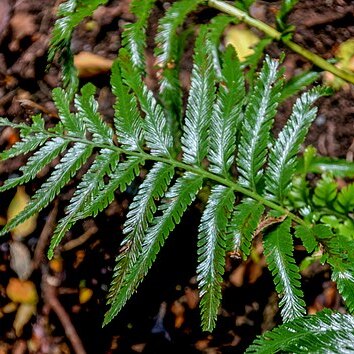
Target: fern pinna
{"type": "Point", "coordinates": [225, 144]}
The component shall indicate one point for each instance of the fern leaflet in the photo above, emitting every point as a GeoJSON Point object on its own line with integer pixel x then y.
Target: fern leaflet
{"type": "Point", "coordinates": [41, 158]}
{"type": "Point", "coordinates": [258, 120]}
{"type": "Point", "coordinates": [66, 169]}
{"type": "Point", "coordinates": [243, 222]}
{"type": "Point", "coordinates": [212, 252]}
{"type": "Point", "coordinates": [127, 120]}
{"type": "Point", "coordinates": [200, 104]}
{"type": "Point", "coordinates": [278, 249]}
{"type": "Point", "coordinates": [325, 332]}
{"type": "Point", "coordinates": [282, 157]}
{"type": "Point", "coordinates": [134, 36]}
{"type": "Point", "coordinates": [227, 115]}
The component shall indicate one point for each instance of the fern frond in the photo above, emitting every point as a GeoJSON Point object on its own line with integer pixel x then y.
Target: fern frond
{"type": "Point", "coordinates": [41, 158]}
{"type": "Point", "coordinates": [325, 191]}
{"type": "Point", "coordinates": [307, 237]}
{"type": "Point", "coordinates": [139, 217]}
{"type": "Point", "coordinates": [212, 252]}
{"type": "Point", "coordinates": [87, 112]}
{"type": "Point", "coordinates": [217, 27]}
{"type": "Point", "coordinates": [70, 14]}
{"type": "Point", "coordinates": [72, 124]}
{"type": "Point", "coordinates": [134, 35]}
{"type": "Point", "coordinates": [166, 38]}
{"type": "Point", "coordinates": [176, 201]}
{"type": "Point", "coordinates": [343, 275]}
{"type": "Point", "coordinates": [92, 180]}
{"type": "Point", "coordinates": [31, 137]}
{"type": "Point", "coordinates": [243, 222]}
{"type": "Point", "coordinates": [200, 104]}
{"type": "Point", "coordinates": [297, 83]}
{"type": "Point", "coordinates": [157, 133]}
{"type": "Point", "coordinates": [282, 156]}
{"type": "Point", "coordinates": [127, 120]}
{"type": "Point", "coordinates": [227, 115]}
{"type": "Point", "coordinates": [259, 116]}
{"type": "Point", "coordinates": [120, 178]}
{"type": "Point", "coordinates": [325, 332]}
{"type": "Point", "coordinates": [70, 163]}
{"type": "Point", "coordinates": [278, 250]}
{"type": "Point", "coordinates": [345, 199]}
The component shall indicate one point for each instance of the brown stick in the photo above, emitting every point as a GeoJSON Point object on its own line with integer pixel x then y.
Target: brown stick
{"type": "Point", "coordinates": [50, 296]}
{"type": "Point", "coordinates": [80, 240]}
{"type": "Point", "coordinates": [44, 237]}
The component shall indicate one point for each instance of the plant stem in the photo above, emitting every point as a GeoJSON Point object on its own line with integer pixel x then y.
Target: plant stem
{"type": "Point", "coordinates": [273, 33]}
{"type": "Point", "coordinates": [178, 164]}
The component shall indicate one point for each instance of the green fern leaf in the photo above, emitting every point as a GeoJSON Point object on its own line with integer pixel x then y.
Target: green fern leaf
{"type": "Point", "coordinates": [139, 217]}
{"type": "Point", "coordinates": [297, 83]}
{"type": "Point", "coordinates": [70, 14]}
{"type": "Point", "coordinates": [227, 115]}
{"type": "Point", "coordinates": [72, 124]}
{"type": "Point", "coordinates": [307, 237]}
{"type": "Point", "coordinates": [134, 35]}
{"type": "Point", "coordinates": [166, 38]}
{"type": "Point", "coordinates": [93, 180]}
{"type": "Point", "coordinates": [70, 163]}
{"type": "Point", "coordinates": [325, 191]}
{"type": "Point", "coordinates": [244, 221]}
{"type": "Point", "coordinates": [325, 332]}
{"type": "Point", "coordinates": [170, 91]}
{"type": "Point", "coordinates": [157, 133]}
{"type": "Point", "coordinates": [87, 112]}
{"type": "Point", "coordinates": [282, 157]}
{"type": "Point", "coordinates": [212, 252]}
{"type": "Point", "coordinates": [345, 199]}
{"type": "Point", "coordinates": [37, 162]}
{"type": "Point", "coordinates": [343, 275]}
{"type": "Point", "coordinates": [200, 104]}
{"type": "Point", "coordinates": [216, 29]}
{"type": "Point", "coordinates": [259, 116]}
{"type": "Point", "coordinates": [127, 120]}
{"type": "Point", "coordinates": [31, 137]}
{"type": "Point", "coordinates": [278, 249]}
{"type": "Point", "coordinates": [120, 178]}
{"type": "Point", "coordinates": [177, 199]}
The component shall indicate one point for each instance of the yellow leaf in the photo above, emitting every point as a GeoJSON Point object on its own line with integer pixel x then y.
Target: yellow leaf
{"type": "Point", "coordinates": [85, 295]}
{"type": "Point", "coordinates": [242, 39]}
{"type": "Point", "coordinates": [89, 64]}
{"type": "Point", "coordinates": [17, 204]}
{"type": "Point", "coordinates": [10, 307]}
{"type": "Point", "coordinates": [23, 315]}
{"type": "Point", "coordinates": [22, 291]}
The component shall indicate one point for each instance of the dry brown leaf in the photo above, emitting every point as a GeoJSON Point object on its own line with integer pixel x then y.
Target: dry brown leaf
{"type": "Point", "coordinates": [22, 291]}
{"type": "Point", "coordinates": [242, 39]}
{"type": "Point", "coordinates": [17, 204]}
{"type": "Point", "coordinates": [237, 276]}
{"type": "Point", "coordinates": [20, 259]}
{"type": "Point", "coordinates": [23, 315]}
{"type": "Point", "coordinates": [89, 64]}
{"type": "Point", "coordinates": [178, 310]}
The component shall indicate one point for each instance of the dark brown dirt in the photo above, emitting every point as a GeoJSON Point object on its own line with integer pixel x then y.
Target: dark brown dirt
{"type": "Point", "coordinates": [149, 324]}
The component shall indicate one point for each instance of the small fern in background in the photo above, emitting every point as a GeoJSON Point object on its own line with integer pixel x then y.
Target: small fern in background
{"type": "Point", "coordinates": [225, 128]}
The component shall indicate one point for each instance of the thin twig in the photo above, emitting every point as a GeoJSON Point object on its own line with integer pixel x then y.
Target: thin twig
{"type": "Point", "coordinates": [44, 237]}
{"type": "Point", "coordinates": [271, 32]}
{"type": "Point", "coordinates": [50, 296]}
{"type": "Point", "coordinates": [80, 240]}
